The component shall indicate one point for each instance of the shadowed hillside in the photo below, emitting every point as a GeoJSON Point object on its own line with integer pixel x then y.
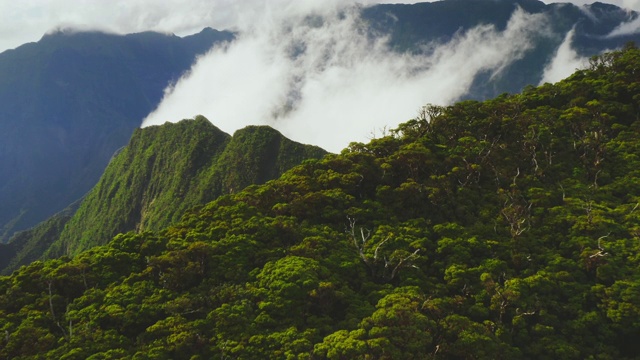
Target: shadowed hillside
{"type": "Point", "coordinates": [69, 102]}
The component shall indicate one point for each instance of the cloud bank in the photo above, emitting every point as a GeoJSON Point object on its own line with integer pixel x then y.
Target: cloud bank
{"type": "Point", "coordinates": [27, 20]}
{"type": "Point", "coordinates": [629, 28]}
{"type": "Point", "coordinates": [313, 74]}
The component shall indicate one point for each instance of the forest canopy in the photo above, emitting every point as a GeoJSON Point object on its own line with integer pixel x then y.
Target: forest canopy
{"type": "Point", "coordinates": [507, 228]}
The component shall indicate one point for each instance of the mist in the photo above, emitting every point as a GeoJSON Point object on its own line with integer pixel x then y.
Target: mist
{"type": "Point", "coordinates": [26, 21]}
{"type": "Point", "coordinates": [314, 74]}
{"type": "Point", "coordinates": [565, 62]}
{"type": "Point", "coordinates": [629, 28]}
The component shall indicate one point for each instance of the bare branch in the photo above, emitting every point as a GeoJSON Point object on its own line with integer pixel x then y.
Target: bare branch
{"type": "Point", "coordinates": [402, 261]}
{"type": "Point", "coordinates": [375, 253]}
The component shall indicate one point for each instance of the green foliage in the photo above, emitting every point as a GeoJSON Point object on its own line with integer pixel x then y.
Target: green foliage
{"type": "Point", "coordinates": [29, 245]}
{"type": "Point", "coordinates": [168, 169]}
{"type": "Point", "coordinates": [500, 229]}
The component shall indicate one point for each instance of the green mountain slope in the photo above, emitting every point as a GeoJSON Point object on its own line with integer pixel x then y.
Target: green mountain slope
{"type": "Point", "coordinates": [499, 229]}
{"type": "Point", "coordinates": [168, 169]}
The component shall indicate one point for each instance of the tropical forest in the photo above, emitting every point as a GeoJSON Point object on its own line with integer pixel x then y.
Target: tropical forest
{"type": "Point", "coordinates": [499, 229]}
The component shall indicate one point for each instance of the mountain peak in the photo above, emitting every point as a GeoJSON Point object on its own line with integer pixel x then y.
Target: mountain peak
{"type": "Point", "coordinates": [167, 169]}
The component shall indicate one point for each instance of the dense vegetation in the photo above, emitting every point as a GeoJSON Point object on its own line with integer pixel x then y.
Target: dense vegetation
{"type": "Point", "coordinates": [150, 183]}
{"type": "Point", "coordinates": [501, 229]}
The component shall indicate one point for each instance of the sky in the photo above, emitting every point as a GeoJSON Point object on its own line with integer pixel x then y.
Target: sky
{"type": "Point", "coordinates": [343, 87]}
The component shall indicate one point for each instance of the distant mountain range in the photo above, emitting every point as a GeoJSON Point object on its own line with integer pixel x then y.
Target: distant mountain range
{"type": "Point", "coordinates": [69, 101]}
{"type": "Point", "coordinates": [410, 26]}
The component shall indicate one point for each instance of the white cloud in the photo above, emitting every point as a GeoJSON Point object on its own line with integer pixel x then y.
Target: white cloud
{"type": "Point", "coordinates": [342, 81]}
{"type": "Point", "coordinates": [565, 61]}
{"type": "Point", "coordinates": [320, 81]}
{"type": "Point", "coordinates": [628, 28]}
{"type": "Point", "coordinates": [633, 25]}
{"type": "Point", "coordinates": [628, 4]}
{"type": "Point", "coordinates": [27, 20]}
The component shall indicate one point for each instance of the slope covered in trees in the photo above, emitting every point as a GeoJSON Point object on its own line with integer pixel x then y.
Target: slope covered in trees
{"type": "Point", "coordinates": [499, 229]}
{"type": "Point", "coordinates": [162, 172]}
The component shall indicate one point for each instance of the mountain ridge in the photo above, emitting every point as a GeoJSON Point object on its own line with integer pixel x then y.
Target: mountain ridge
{"type": "Point", "coordinates": [151, 182]}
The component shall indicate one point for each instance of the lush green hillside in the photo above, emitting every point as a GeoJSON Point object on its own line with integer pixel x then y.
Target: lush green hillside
{"type": "Point", "coordinates": [499, 229]}
{"type": "Point", "coordinates": [68, 102]}
{"type": "Point", "coordinates": [163, 171]}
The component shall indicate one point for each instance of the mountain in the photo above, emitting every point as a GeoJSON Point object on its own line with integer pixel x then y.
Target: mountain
{"type": "Point", "coordinates": [507, 228]}
{"type": "Point", "coordinates": [162, 172]}
{"type": "Point", "coordinates": [68, 102]}
{"type": "Point", "coordinates": [414, 27]}
{"type": "Point", "coordinates": [29, 245]}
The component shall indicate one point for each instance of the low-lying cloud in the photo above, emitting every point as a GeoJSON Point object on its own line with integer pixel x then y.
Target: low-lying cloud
{"type": "Point", "coordinates": [313, 74]}
{"type": "Point", "coordinates": [565, 62]}
{"type": "Point", "coordinates": [628, 28]}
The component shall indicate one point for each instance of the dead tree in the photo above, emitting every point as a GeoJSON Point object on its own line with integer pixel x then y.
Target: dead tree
{"type": "Point", "coordinates": [381, 267]}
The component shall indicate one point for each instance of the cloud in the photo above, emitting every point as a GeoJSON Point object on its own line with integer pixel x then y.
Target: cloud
{"type": "Point", "coordinates": [312, 73]}
{"type": "Point", "coordinates": [565, 61]}
{"type": "Point", "coordinates": [630, 4]}
{"type": "Point", "coordinates": [628, 28]}
{"type": "Point", "coordinates": [27, 20]}
{"type": "Point", "coordinates": [632, 26]}
{"type": "Point", "coordinates": [627, 4]}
